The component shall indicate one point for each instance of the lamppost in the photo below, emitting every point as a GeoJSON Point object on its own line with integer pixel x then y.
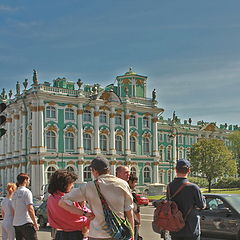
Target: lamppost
{"type": "Point", "coordinates": [174, 136]}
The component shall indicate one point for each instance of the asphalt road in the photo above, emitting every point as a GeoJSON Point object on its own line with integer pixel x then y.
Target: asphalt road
{"type": "Point", "coordinates": [145, 230]}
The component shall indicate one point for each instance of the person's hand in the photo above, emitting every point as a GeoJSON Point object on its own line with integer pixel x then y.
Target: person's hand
{"type": "Point", "coordinates": [36, 226]}
{"type": "Point", "coordinates": [90, 215]}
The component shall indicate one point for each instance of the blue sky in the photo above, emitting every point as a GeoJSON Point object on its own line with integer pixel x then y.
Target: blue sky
{"type": "Point", "coordinates": [189, 49]}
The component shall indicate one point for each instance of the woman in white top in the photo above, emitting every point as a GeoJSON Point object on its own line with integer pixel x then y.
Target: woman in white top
{"type": "Point", "coordinates": [8, 232]}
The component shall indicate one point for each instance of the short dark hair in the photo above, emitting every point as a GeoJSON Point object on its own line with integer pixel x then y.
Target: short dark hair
{"type": "Point", "coordinates": [21, 177]}
{"type": "Point", "coordinates": [60, 180]}
{"type": "Point", "coordinates": [132, 177]}
{"type": "Point", "coordinates": [183, 170]}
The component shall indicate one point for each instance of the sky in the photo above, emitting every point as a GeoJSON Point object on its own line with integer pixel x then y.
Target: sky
{"type": "Point", "coordinates": [189, 49]}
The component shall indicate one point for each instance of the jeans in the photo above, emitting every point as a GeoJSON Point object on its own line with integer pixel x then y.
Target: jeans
{"type": "Point", "coordinates": [25, 232]}
{"type": "Point", "coordinates": [76, 235]}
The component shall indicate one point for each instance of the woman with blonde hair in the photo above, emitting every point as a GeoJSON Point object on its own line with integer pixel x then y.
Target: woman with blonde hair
{"type": "Point", "coordinates": [8, 232]}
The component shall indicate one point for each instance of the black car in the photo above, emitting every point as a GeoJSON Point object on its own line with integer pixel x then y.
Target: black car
{"type": "Point", "coordinates": [221, 218]}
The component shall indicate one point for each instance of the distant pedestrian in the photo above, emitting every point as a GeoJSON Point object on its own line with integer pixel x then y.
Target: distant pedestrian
{"type": "Point", "coordinates": [133, 179]}
{"type": "Point", "coordinates": [8, 232]}
{"type": "Point", "coordinates": [69, 226]}
{"type": "Point", "coordinates": [116, 192]}
{"type": "Point", "coordinates": [123, 172]}
{"type": "Point", "coordinates": [24, 220]}
{"type": "Point", "coordinates": [187, 200]}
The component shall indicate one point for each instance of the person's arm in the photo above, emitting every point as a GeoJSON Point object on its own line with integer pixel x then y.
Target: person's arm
{"type": "Point", "coordinates": [200, 199]}
{"type": "Point", "coordinates": [75, 210]}
{"type": "Point", "coordinates": [3, 213]}
{"type": "Point", "coordinates": [32, 215]}
{"type": "Point", "coordinates": [129, 216]}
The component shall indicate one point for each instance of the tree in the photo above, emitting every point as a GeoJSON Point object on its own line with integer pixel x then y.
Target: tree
{"type": "Point", "coordinates": [210, 158]}
{"type": "Point", "coordinates": [234, 138]}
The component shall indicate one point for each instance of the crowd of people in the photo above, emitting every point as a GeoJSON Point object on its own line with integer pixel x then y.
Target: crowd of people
{"type": "Point", "coordinates": [78, 213]}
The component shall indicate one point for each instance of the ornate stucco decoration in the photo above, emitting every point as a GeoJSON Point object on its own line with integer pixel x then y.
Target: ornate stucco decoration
{"type": "Point", "coordinates": [51, 103]}
{"type": "Point", "coordinates": [70, 129]}
{"type": "Point", "coordinates": [111, 115]}
{"type": "Point", "coordinates": [52, 128]}
{"type": "Point", "coordinates": [104, 131]}
{"type": "Point", "coordinates": [119, 111]}
{"type": "Point", "coordinates": [79, 111]}
{"type": "Point", "coordinates": [147, 114]}
{"type": "Point", "coordinates": [104, 108]}
{"type": "Point", "coordinates": [155, 119]}
{"type": "Point", "coordinates": [88, 108]}
{"type": "Point", "coordinates": [88, 130]}
{"type": "Point", "coordinates": [52, 163]}
{"type": "Point", "coordinates": [147, 164]}
{"type": "Point", "coordinates": [70, 163]}
{"type": "Point", "coordinates": [147, 134]}
{"type": "Point", "coordinates": [125, 81]}
{"type": "Point", "coordinates": [69, 105]}
{"type": "Point", "coordinates": [133, 134]}
{"type": "Point", "coordinates": [139, 81]}
{"type": "Point", "coordinates": [119, 133]}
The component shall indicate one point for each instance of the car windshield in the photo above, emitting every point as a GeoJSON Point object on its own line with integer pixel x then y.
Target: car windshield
{"type": "Point", "coordinates": [234, 200]}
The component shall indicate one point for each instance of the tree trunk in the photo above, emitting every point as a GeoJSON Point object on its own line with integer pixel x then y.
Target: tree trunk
{"type": "Point", "coordinates": [209, 185]}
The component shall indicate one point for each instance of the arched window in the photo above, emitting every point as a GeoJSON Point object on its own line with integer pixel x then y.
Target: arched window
{"type": "Point", "coordinates": [87, 176]}
{"type": "Point", "coordinates": [132, 120]}
{"type": "Point", "coordinates": [169, 154]}
{"type": "Point", "coordinates": [87, 116]}
{"type": "Point", "coordinates": [103, 117]}
{"type": "Point", "coordinates": [147, 175]}
{"type": "Point", "coordinates": [50, 171]}
{"type": "Point", "coordinates": [69, 114]}
{"type": "Point", "coordinates": [118, 143]}
{"type": "Point", "coordinates": [87, 142]}
{"type": "Point", "coordinates": [69, 141]}
{"type": "Point", "coordinates": [50, 112]}
{"type": "Point", "coordinates": [180, 154]}
{"type": "Point", "coordinates": [133, 171]}
{"type": "Point", "coordinates": [70, 169]}
{"type": "Point", "coordinates": [146, 145]}
{"type": "Point", "coordinates": [103, 143]}
{"type": "Point", "coordinates": [161, 176]}
{"type": "Point", "coordinates": [118, 119]}
{"type": "Point", "coordinates": [146, 122]}
{"type": "Point", "coordinates": [133, 144]}
{"type": "Point", "coordinates": [51, 140]}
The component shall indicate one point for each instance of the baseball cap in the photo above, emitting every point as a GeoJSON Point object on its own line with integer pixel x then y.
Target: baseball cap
{"type": "Point", "coordinates": [100, 164]}
{"type": "Point", "coordinates": [182, 163]}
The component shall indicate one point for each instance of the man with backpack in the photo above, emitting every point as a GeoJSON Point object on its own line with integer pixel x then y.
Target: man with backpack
{"type": "Point", "coordinates": [188, 198]}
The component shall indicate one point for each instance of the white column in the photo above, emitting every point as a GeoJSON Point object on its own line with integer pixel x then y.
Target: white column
{"type": "Point", "coordinates": [16, 136]}
{"type": "Point", "coordinates": [39, 178]}
{"type": "Point", "coordinates": [155, 138]}
{"type": "Point", "coordinates": [96, 131]}
{"type": "Point", "coordinates": [80, 129]}
{"type": "Point", "coordinates": [2, 179]}
{"type": "Point", "coordinates": [34, 127]}
{"type": "Point", "coordinates": [33, 178]}
{"type": "Point", "coordinates": [80, 172]}
{"type": "Point", "coordinates": [155, 173]}
{"type": "Point", "coordinates": [24, 119]}
{"type": "Point", "coordinates": [112, 131]}
{"type": "Point", "coordinates": [40, 135]}
{"type": "Point", "coordinates": [9, 137]}
{"type": "Point", "coordinates": [127, 139]}
{"type": "Point", "coordinates": [1, 148]}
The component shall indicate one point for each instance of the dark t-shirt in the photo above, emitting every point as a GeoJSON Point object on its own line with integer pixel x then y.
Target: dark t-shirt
{"type": "Point", "coordinates": [189, 197]}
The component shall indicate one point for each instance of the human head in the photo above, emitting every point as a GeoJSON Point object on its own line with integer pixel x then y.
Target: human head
{"type": "Point", "coordinates": [132, 182]}
{"type": "Point", "coordinates": [61, 180]}
{"type": "Point", "coordinates": [11, 187]}
{"type": "Point", "coordinates": [183, 166]}
{"type": "Point", "coordinates": [23, 179]}
{"type": "Point", "coordinates": [123, 172]}
{"type": "Point", "coordinates": [100, 164]}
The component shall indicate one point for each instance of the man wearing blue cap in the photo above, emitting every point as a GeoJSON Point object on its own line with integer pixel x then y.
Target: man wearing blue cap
{"type": "Point", "coordinates": [188, 199]}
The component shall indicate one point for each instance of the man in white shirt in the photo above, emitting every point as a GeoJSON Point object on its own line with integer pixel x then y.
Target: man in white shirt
{"type": "Point", "coordinates": [116, 192]}
{"type": "Point", "coordinates": [24, 220]}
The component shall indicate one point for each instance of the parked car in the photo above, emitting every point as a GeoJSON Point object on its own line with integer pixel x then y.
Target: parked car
{"type": "Point", "coordinates": [36, 203]}
{"type": "Point", "coordinates": [221, 217]}
{"type": "Point", "coordinates": [41, 214]}
{"type": "Point", "coordinates": [142, 200]}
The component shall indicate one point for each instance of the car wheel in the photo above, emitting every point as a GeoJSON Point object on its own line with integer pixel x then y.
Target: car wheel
{"type": "Point", "coordinates": [41, 221]}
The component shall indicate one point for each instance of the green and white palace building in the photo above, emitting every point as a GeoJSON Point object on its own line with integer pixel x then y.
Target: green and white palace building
{"type": "Point", "coordinates": [54, 126]}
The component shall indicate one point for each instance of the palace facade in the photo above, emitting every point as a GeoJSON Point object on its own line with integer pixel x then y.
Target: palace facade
{"type": "Point", "coordinates": [54, 126]}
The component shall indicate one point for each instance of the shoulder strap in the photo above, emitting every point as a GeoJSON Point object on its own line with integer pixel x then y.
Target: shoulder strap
{"type": "Point", "coordinates": [103, 200]}
{"type": "Point", "coordinates": [183, 185]}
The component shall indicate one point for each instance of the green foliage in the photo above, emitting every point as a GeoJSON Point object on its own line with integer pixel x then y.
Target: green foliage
{"type": "Point", "coordinates": [201, 182]}
{"type": "Point", "coordinates": [234, 138]}
{"type": "Point", "coordinates": [230, 182]}
{"type": "Point", "coordinates": [210, 158]}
